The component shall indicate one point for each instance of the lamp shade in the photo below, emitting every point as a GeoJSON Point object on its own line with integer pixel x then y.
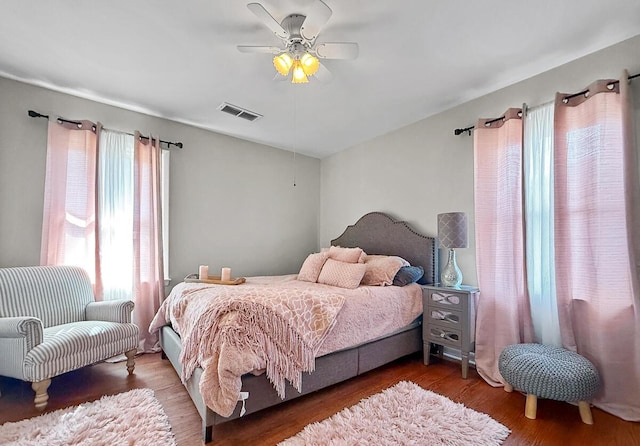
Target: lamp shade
{"type": "Point", "coordinates": [452, 230]}
{"type": "Point", "coordinates": [298, 76]}
{"type": "Point", "coordinates": [310, 64]}
{"type": "Point", "coordinates": [283, 63]}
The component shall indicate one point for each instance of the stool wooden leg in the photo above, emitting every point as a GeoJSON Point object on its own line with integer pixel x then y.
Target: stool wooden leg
{"type": "Point", "coordinates": [585, 412]}
{"type": "Point", "coordinates": [531, 407]}
{"type": "Point", "coordinates": [508, 387]}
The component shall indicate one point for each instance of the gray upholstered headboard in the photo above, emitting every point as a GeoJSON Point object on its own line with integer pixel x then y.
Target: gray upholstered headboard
{"type": "Point", "coordinates": [378, 233]}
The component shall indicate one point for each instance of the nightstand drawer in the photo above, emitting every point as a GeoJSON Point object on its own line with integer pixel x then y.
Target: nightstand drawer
{"type": "Point", "coordinates": [444, 336]}
{"type": "Point", "coordinates": [445, 317]}
{"type": "Point", "coordinates": [446, 299]}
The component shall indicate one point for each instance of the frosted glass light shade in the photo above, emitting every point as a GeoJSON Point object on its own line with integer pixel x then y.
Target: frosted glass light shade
{"type": "Point", "coordinates": [310, 64]}
{"type": "Point", "coordinates": [283, 63]}
{"type": "Point", "coordinates": [306, 65]}
{"type": "Point", "coordinates": [299, 76]}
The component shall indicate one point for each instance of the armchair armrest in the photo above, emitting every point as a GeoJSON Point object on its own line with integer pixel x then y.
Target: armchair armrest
{"type": "Point", "coordinates": [28, 328]}
{"type": "Point", "coordinates": [110, 311]}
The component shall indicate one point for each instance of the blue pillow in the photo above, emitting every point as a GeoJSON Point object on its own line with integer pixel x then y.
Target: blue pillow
{"type": "Point", "coordinates": [407, 275]}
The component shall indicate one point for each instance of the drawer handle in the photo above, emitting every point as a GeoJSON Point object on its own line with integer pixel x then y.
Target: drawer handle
{"type": "Point", "coordinates": [448, 336]}
{"type": "Point", "coordinates": [445, 316]}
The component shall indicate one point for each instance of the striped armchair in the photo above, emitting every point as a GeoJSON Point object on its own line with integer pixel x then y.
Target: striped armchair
{"type": "Point", "coordinates": [50, 324]}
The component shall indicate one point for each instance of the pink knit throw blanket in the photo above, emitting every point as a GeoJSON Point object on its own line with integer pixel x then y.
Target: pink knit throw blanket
{"type": "Point", "coordinates": [229, 330]}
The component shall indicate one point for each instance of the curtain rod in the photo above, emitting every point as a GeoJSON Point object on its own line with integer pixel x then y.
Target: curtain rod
{"type": "Point", "coordinates": [35, 114]}
{"type": "Point", "coordinates": [569, 96]}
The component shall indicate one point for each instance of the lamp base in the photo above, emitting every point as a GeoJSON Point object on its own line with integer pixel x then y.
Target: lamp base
{"type": "Point", "coordinates": [451, 275]}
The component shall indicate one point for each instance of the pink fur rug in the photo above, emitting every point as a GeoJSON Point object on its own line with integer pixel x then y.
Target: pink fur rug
{"type": "Point", "coordinates": [404, 414]}
{"type": "Point", "coordinates": [131, 418]}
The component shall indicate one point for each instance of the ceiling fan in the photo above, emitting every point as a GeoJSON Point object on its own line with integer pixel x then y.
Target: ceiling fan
{"type": "Point", "coordinates": [298, 56]}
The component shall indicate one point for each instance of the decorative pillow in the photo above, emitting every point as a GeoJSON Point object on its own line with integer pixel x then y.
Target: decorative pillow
{"type": "Point", "coordinates": [349, 255]}
{"type": "Point", "coordinates": [407, 275]}
{"type": "Point", "coordinates": [342, 274]}
{"type": "Point", "coordinates": [312, 266]}
{"type": "Point", "coordinates": [380, 270]}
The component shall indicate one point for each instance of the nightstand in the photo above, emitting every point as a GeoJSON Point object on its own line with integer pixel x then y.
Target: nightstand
{"type": "Point", "coordinates": [449, 320]}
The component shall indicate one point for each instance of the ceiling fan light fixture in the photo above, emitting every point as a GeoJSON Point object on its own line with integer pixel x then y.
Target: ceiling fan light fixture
{"type": "Point", "coordinates": [283, 63]}
{"type": "Point", "coordinates": [298, 76]}
{"type": "Point", "coordinates": [310, 64]}
{"type": "Point", "coordinates": [300, 50]}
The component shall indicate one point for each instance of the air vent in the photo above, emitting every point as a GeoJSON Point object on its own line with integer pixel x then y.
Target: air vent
{"type": "Point", "coordinates": [239, 112]}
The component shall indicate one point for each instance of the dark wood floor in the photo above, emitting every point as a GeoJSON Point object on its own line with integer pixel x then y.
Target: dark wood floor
{"type": "Point", "coordinates": [557, 424]}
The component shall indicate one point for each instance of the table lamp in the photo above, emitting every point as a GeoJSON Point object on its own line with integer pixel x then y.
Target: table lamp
{"type": "Point", "coordinates": [452, 233]}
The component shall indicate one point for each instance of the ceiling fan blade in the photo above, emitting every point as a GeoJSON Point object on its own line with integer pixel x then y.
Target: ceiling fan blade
{"type": "Point", "coordinates": [323, 74]}
{"type": "Point", "coordinates": [318, 15]}
{"type": "Point", "coordinates": [259, 49]}
{"type": "Point", "coordinates": [337, 50]}
{"type": "Point", "coordinates": [268, 20]}
{"type": "Point", "coordinates": [279, 77]}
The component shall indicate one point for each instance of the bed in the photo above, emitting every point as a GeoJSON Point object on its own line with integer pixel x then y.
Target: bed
{"type": "Point", "coordinates": [375, 233]}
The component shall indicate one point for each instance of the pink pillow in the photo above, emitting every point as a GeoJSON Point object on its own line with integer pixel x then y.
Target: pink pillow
{"type": "Point", "coordinates": [312, 266]}
{"type": "Point", "coordinates": [342, 274]}
{"type": "Point", "coordinates": [349, 255]}
{"type": "Point", "coordinates": [380, 270]}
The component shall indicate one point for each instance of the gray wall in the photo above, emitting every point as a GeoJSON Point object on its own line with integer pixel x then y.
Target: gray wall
{"type": "Point", "coordinates": [232, 202]}
{"type": "Point", "coordinates": [422, 170]}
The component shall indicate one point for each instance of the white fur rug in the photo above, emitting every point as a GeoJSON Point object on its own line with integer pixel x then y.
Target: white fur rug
{"type": "Point", "coordinates": [132, 418]}
{"type": "Point", "coordinates": [404, 414]}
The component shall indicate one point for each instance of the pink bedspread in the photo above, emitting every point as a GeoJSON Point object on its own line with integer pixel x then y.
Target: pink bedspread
{"type": "Point", "coordinates": [367, 313]}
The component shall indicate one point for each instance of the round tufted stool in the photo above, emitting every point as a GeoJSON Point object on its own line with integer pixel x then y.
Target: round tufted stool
{"type": "Point", "coordinates": [549, 372]}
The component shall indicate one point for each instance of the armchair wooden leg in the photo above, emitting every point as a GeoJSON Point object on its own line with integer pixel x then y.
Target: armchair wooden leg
{"type": "Point", "coordinates": [42, 397]}
{"type": "Point", "coordinates": [131, 361]}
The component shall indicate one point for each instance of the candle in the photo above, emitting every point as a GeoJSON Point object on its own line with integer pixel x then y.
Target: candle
{"type": "Point", "coordinates": [226, 275]}
{"type": "Point", "coordinates": [203, 272]}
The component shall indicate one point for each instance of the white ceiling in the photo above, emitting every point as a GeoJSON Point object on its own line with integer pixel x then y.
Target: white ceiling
{"type": "Point", "coordinates": [178, 59]}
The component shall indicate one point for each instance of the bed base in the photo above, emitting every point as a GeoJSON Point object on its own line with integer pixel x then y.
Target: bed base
{"type": "Point", "coordinates": [375, 233]}
{"type": "Point", "coordinates": [330, 369]}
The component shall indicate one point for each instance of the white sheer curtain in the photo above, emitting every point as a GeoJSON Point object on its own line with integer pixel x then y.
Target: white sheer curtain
{"type": "Point", "coordinates": [115, 210]}
{"type": "Point", "coordinates": [539, 218]}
